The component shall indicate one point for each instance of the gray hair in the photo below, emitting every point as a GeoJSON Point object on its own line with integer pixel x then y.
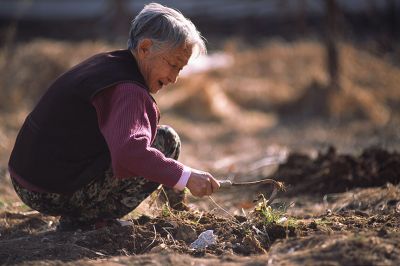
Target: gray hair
{"type": "Point", "coordinates": [166, 27]}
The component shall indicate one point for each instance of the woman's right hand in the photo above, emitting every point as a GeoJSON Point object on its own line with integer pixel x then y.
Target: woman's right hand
{"type": "Point", "coordinates": [202, 183]}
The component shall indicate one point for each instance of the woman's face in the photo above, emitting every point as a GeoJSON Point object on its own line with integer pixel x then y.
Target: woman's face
{"type": "Point", "coordinates": [161, 68]}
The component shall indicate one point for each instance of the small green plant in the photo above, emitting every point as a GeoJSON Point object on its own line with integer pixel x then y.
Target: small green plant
{"type": "Point", "coordinates": [292, 222]}
{"type": "Point", "coordinates": [322, 222]}
{"type": "Point", "coordinates": [166, 210]}
{"type": "Point", "coordinates": [270, 215]}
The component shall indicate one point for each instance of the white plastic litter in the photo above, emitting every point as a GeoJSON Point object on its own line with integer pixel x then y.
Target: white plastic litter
{"type": "Point", "coordinates": [204, 240]}
{"type": "Point", "coordinates": [125, 223]}
{"type": "Point", "coordinates": [282, 220]}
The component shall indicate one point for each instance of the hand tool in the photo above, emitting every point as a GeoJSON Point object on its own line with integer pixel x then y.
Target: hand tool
{"type": "Point", "coordinates": [225, 184]}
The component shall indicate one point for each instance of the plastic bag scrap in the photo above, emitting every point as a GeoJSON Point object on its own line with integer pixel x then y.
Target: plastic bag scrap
{"type": "Point", "coordinates": [204, 240]}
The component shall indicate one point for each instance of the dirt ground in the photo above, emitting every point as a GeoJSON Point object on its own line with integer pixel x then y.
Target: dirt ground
{"type": "Point", "coordinates": [269, 115]}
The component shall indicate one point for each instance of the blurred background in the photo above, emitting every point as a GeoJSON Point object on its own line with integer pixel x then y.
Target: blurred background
{"type": "Point", "coordinates": [280, 74]}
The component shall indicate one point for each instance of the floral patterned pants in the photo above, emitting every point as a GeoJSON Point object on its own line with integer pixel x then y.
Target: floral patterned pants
{"type": "Point", "coordinates": [105, 197]}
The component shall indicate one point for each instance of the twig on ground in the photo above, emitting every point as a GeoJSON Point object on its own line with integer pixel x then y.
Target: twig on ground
{"type": "Point", "coordinates": [154, 197]}
{"type": "Point", "coordinates": [219, 206]}
{"type": "Point", "coordinates": [88, 249]}
{"type": "Point", "coordinates": [173, 240]}
{"type": "Point", "coordinates": [154, 239]}
{"type": "Point", "coordinates": [266, 234]}
{"type": "Point", "coordinates": [200, 216]}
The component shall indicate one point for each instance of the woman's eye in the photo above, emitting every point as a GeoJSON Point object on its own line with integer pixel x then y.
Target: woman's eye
{"type": "Point", "coordinates": [171, 64]}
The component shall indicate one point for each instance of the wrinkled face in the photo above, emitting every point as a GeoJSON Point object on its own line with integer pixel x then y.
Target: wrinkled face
{"type": "Point", "coordinates": [161, 68]}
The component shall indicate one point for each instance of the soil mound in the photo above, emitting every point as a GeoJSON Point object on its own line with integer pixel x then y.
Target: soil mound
{"type": "Point", "coordinates": [332, 173]}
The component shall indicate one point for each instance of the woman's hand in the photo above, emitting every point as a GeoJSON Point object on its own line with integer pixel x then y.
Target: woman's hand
{"type": "Point", "coordinates": [202, 183]}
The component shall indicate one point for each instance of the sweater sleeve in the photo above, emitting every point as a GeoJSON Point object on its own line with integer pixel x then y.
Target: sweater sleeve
{"type": "Point", "coordinates": [127, 117]}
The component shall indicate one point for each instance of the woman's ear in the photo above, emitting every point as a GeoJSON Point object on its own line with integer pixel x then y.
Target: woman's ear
{"type": "Point", "coordinates": [144, 47]}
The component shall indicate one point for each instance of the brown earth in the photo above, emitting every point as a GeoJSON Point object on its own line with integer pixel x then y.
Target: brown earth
{"type": "Point", "coordinates": [358, 227]}
{"type": "Point", "coordinates": [263, 117]}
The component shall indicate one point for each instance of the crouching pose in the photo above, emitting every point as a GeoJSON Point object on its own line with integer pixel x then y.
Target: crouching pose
{"type": "Point", "coordinates": [92, 150]}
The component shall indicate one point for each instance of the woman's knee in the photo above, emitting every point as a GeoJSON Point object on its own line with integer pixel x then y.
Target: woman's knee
{"type": "Point", "coordinates": [167, 141]}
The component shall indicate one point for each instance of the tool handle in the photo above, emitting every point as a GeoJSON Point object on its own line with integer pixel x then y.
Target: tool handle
{"type": "Point", "coordinates": [225, 183]}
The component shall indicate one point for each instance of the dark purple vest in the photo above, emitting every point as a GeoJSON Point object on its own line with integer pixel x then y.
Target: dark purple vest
{"type": "Point", "coordinates": [60, 147]}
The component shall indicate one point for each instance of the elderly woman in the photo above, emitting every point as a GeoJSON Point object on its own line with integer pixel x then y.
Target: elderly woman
{"type": "Point", "coordinates": [91, 151]}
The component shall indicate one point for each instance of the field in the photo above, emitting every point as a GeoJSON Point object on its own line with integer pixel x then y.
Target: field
{"type": "Point", "coordinates": [269, 114]}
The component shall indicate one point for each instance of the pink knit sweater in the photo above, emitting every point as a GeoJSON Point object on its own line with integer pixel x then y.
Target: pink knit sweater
{"type": "Point", "coordinates": [127, 118]}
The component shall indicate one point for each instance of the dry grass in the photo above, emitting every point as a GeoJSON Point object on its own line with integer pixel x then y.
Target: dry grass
{"type": "Point", "coordinates": [262, 78]}
{"type": "Point", "coordinates": [28, 68]}
{"type": "Point", "coordinates": [288, 79]}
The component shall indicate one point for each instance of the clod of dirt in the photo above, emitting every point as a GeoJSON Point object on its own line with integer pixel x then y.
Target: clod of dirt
{"type": "Point", "coordinates": [186, 233]}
